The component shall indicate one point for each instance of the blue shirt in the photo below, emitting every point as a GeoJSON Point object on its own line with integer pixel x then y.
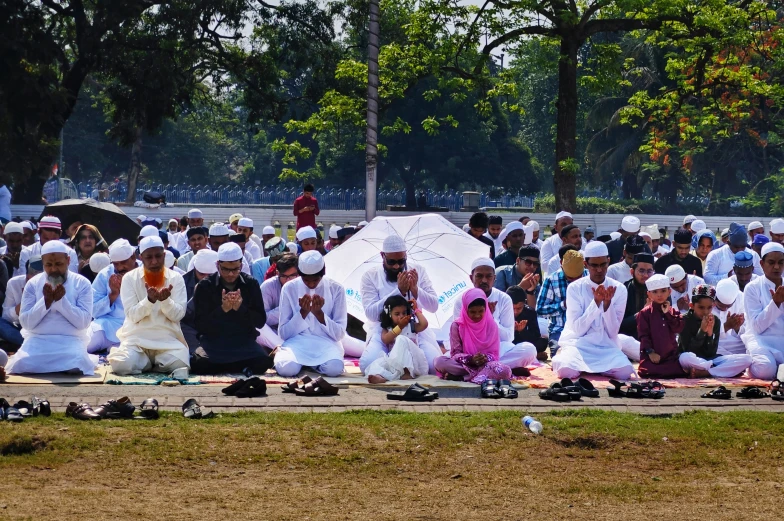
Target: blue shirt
{"type": "Point", "coordinates": [108, 316]}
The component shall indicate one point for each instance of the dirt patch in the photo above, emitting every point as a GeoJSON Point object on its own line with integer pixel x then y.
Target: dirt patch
{"type": "Point", "coordinates": [19, 445]}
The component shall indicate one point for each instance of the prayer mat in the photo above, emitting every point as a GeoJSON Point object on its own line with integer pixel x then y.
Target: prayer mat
{"type": "Point", "coordinates": [147, 379]}
{"type": "Point", "coordinates": [58, 378]}
{"type": "Point", "coordinates": [543, 375]}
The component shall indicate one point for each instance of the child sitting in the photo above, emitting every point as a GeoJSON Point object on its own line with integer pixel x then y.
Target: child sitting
{"type": "Point", "coordinates": [474, 343]}
{"type": "Point", "coordinates": [405, 360]}
{"type": "Point", "coordinates": [526, 322]}
{"type": "Point", "coordinates": [699, 341]}
{"type": "Point", "coordinates": [657, 324]}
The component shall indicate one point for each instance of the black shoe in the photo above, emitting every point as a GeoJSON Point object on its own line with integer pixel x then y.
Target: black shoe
{"type": "Point", "coordinates": [233, 388]}
{"type": "Point", "coordinates": [253, 387]}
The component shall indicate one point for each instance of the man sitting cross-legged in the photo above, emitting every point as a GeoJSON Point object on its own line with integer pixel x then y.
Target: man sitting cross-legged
{"type": "Point", "coordinates": [107, 305]}
{"type": "Point", "coordinates": [154, 300]}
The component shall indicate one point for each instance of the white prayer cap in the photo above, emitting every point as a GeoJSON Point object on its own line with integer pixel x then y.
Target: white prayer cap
{"type": "Point", "coordinates": [776, 226]}
{"type": "Point", "coordinates": [173, 220]}
{"type": "Point", "coordinates": [120, 250]}
{"type": "Point", "coordinates": [482, 261]}
{"type": "Point", "coordinates": [726, 232]}
{"type": "Point", "coordinates": [268, 230]}
{"type": "Point", "coordinates": [727, 291]}
{"type": "Point", "coordinates": [204, 262]}
{"type": "Point", "coordinates": [689, 219]}
{"type": "Point", "coordinates": [158, 220]}
{"type": "Point", "coordinates": [652, 231]}
{"type": "Point", "coordinates": [245, 222]}
{"type": "Point", "coordinates": [514, 225]}
{"type": "Point", "coordinates": [363, 223]}
{"type": "Point", "coordinates": [54, 247]}
{"type": "Point", "coordinates": [393, 244]}
{"type": "Point", "coordinates": [630, 224]}
{"type": "Point", "coordinates": [141, 218]}
{"type": "Point", "coordinates": [528, 230]}
{"type": "Point", "coordinates": [698, 225]}
{"type": "Point", "coordinates": [149, 231]}
{"type": "Point", "coordinates": [195, 213]}
{"type": "Point", "coordinates": [645, 234]}
{"type": "Point", "coordinates": [306, 232]}
{"type": "Point", "coordinates": [768, 248]}
{"type": "Point", "coordinates": [333, 231]}
{"type": "Point", "coordinates": [99, 261]}
{"type": "Point", "coordinates": [562, 215]}
{"type": "Point", "coordinates": [466, 228]}
{"type": "Point", "coordinates": [614, 236]}
{"type": "Point", "coordinates": [534, 224]}
{"type": "Point", "coordinates": [28, 225]}
{"type": "Point", "coordinates": [149, 242]}
{"type": "Point", "coordinates": [657, 282]}
{"type": "Point", "coordinates": [292, 246]}
{"type": "Point", "coordinates": [310, 262]}
{"type": "Point", "coordinates": [168, 259]}
{"type": "Point", "coordinates": [595, 249]}
{"type": "Point", "coordinates": [229, 252]}
{"type": "Point", "coordinates": [219, 230]}
{"type": "Point", "coordinates": [13, 227]}
{"type": "Point", "coordinates": [676, 273]}
{"type": "Point", "coordinates": [51, 222]}
{"type": "Point", "coordinates": [755, 225]}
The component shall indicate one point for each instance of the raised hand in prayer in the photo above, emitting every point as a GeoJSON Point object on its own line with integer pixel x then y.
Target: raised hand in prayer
{"type": "Point", "coordinates": [305, 303]}
{"type": "Point", "coordinates": [413, 280]}
{"type": "Point", "coordinates": [707, 325]}
{"type": "Point", "coordinates": [236, 300]}
{"type": "Point", "coordinates": [598, 295]}
{"type": "Point", "coordinates": [226, 304]}
{"type": "Point", "coordinates": [403, 282]}
{"type": "Point", "coordinates": [666, 307]}
{"type": "Point", "coordinates": [492, 306]}
{"type": "Point", "coordinates": [316, 306]}
{"type": "Point", "coordinates": [165, 293]}
{"type": "Point", "coordinates": [14, 258]}
{"type": "Point", "coordinates": [48, 295]}
{"type": "Point", "coordinates": [778, 295]}
{"type": "Point", "coordinates": [152, 293]}
{"type": "Point", "coordinates": [520, 326]}
{"type": "Point", "coordinates": [734, 321]}
{"type": "Point", "coordinates": [59, 292]}
{"type": "Point", "coordinates": [683, 303]}
{"type": "Point", "coordinates": [609, 293]}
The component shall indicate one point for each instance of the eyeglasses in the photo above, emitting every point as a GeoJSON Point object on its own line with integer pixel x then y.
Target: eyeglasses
{"type": "Point", "coordinates": [598, 266]}
{"type": "Point", "coordinates": [531, 262]}
{"type": "Point", "coordinates": [282, 276]}
{"type": "Point", "coordinates": [645, 272]}
{"type": "Point", "coordinates": [230, 270]}
{"type": "Point", "coordinates": [395, 262]}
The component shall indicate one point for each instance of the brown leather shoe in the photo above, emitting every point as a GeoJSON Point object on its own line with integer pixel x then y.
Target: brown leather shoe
{"type": "Point", "coordinates": [81, 411]}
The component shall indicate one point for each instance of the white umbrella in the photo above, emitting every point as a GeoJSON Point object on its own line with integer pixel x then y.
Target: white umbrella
{"type": "Point", "coordinates": [442, 249]}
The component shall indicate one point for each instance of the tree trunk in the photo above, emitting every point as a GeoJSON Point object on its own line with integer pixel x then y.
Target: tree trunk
{"type": "Point", "coordinates": [371, 138]}
{"type": "Point", "coordinates": [566, 166]}
{"type": "Point", "coordinates": [136, 166]}
{"type": "Point", "coordinates": [410, 182]}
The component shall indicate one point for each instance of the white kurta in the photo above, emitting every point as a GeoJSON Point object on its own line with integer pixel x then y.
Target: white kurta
{"type": "Point", "coordinates": [589, 342]}
{"type": "Point", "coordinates": [310, 342]}
{"type": "Point", "coordinates": [550, 249]}
{"type": "Point", "coordinates": [270, 293]}
{"type": "Point", "coordinates": [13, 298]}
{"type": "Point", "coordinates": [254, 250]}
{"type": "Point", "coordinates": [730, 342]}
{"type": "Point", "coordinates": [692, 282]}
{"type": "Point", "coordinates": [184, 261]}
{"type": "Point", "coordinates": [153, 327]}
{"type": "Point", "coordinates": [620, 272]}
{"type": "Point", "coordinates": [764, 328]}
{"type": "Point", "coordinates": [497, 242]}
{"type": "Point", "coordinates": [35, 249]}
{"type": "Point", "coordinates": [376, 289]}
{"type": "Point", "coordinates": [55, 338]}
{"type": "Point", "coordinates": [721, 261]}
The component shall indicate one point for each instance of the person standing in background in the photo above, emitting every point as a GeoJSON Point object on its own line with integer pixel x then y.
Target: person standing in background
{"type": "Point", "coordinates": [5, 203]}
{"type": "Point", "coordinates": [306, 208]}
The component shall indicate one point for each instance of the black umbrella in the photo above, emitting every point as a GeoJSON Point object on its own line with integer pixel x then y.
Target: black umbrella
{"type": "Point", "coordinates": [112, 222]}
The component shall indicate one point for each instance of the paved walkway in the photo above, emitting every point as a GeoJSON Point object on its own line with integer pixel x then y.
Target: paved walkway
{"type": "Point", "coordinates": [365, 397]}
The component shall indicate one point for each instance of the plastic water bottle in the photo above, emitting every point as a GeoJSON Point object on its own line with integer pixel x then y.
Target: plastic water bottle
{"type": "Point", "coordinates": [532, 425]}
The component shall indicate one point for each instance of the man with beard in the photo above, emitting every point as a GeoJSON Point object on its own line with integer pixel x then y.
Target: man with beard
{"type": "Point", "coordinates": [397, 276]}
{"type": "Point", "coordinates": [286, 269]}
{"type": "Point", "coordinates": [14, 235]}
{"type": "Point", "coordinates": [514, 236]}
{"type": "Point", "coordinates": [108, 309]}
{"type": "Point", "coordinates": [312, 322]}
{"type": "Point", "coordinates": [524, 273]}
{"type": "Point", "coordinates": [743, 269]}
{"type": "Point", "coordinates": [680, 255]}
{"type": "Point", "coordinates": [197, 241]}
{"type": "Point", "coordinates": [49, 229]}
{"type": "Point", "coordinates": [637, 293]}
{"type": "Point", "coordinates": [621, 271]}
{"type": "Point", "coordinates": [551, 246]}
{"type": "Point", "coordinates": [517, 357]}
{"type": "Point", "coordinates": [154, 300]}
{"type": "Point", "coordinates": [55, 316]}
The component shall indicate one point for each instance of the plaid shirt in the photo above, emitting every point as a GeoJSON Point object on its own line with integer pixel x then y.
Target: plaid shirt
{"type": "Point", "coordinates": [551, 302]}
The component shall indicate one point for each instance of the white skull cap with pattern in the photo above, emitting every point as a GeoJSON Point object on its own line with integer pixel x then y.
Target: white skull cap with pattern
{"type": "Point", "coordinates": [393, 244]}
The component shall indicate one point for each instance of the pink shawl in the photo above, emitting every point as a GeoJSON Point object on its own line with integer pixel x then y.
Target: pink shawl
{"type": "Point", "coordinates": [478, 337]}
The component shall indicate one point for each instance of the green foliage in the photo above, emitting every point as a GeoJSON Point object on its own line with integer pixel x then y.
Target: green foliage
{"type": "Point", "coordinates": [597, 205]}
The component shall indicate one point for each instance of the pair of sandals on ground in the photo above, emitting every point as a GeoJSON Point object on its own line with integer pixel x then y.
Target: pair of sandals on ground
{"type": "Point", "coordinates": [567, 390]}
{"type": "Point", "coordinates": [776, 388]}
{"type": "Point", "coordinates": [24, 409]}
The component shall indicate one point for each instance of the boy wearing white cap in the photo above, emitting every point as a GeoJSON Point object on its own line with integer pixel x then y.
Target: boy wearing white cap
{"type": "Point", "coordinates": [595, 306]}
{"type": "Point", "coordinates": [306, 239]}
{"type": "Point", "coordinates": [55, 316]}
{"type": "Point", "coordinates": [333, 237]}
{"type": "Point", "coordinates": [551, 246]}
{"type": "Point", "coordinates": [245, 227]}
{"type": "Point", "coordinates": [728, 308]}
{"type": "Point", "coordinates": [658, 323]}
{"type": "Point", "coordinates": [313, 320]}
{"type": "Point", "coordinates": [755, 228]}
{"type": "Point", "coordinates": [154, 300]}
{"type": "Point", "coordinates": [49, 229]}
{"type": "Point", "coordinates": [682, 286]}
{"type": "Point", "coordinates": [108, 309]}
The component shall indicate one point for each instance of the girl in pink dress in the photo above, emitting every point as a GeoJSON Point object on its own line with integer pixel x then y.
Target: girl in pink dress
{"type": "Point", "coordinates": [474, 343]}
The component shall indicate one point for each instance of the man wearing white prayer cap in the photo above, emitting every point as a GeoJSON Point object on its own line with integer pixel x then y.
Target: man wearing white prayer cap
{"type": "Point", "coordinates": [313, 320]}
{"type": "Point", "coordinates": [205, 263]}
{"type": "Point", "coordinates": [333, 237]}
{"type": "Point", "coordinates": [755, 228]}
{"type": "Point", "coordinates": [551, 246]}
{"type": "Point", "coordinates": [99, 261]}
{"type": "Point", "coordinates": [219, 235]}
{"type": "Point", "coordinates": [595, 307]}
{"type": "Point", "coordinates": [517, 357]}
{"type": "Point", "coordinates": [630, 225]}
{"type": "Point", "coordinates": [267, 233]}
{"type": "Point", "coordinates": [515, 235]}
{"type": "Point", "coordinates": [30, 233]}
{"type": "Point", "coordinates": [228, 313]}
{"type": "Point", "coordinates": [687, 221]}
{"type": "Point", "coordinates": [179, 241]}
{"type": "Point", "coordinates": [271, 289]}
{"type": "Point", "coordinates": [728, 307]}
{"type": "Point", "coordinates": [141, 218]}
{"type": "Point", "coordinates": [12, 251]}
{"type": "Point", "coordinates": [362, 224]}
{"type": "Point", "coordinates": [292, 247]}
{"type": "Point", "coordinates": [763, 304]}
{"type": "Point", "coordinates": [306, 239]}
{"type": "Point", "coordinates": [245, 227]}
{"type": "Point", "coordinates": [776, 230]}
{"type": "Point", "coordinates": [535, 229]}
{"type": "Point", "coordinates": [55, 316]}
{"type": "Point", "coordinates": [397, 275]}
{"type": "Point", "coordinates": [697, 226]}
{"type": "Point", "coordinates": [681, 285]}
{"type": "Point", "coordinates": [148, 231]}
{"type": "Point", "coordinates": [49, 229]}
{"type": "Point", "coordinates": [154, 300]}
{"type": "Point", "coordinates": [108, 311]}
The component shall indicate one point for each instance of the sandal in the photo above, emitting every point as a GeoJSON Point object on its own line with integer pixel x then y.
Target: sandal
{"type": "Point", "coordinates": [148, 410]}
{"type": "Point", "coordinates": [9, 413]}
{"type": "Point", "coordinates": [555, 393]}
{"type": "Point", "coordinates": [752, 392]}
{"type": "Point", "coordinates": [617, 391]}
{"type": "Point", "coordinates": [81, 411]}
{"type": "Point", "coordinates": [776, 391]}
{"type": "Point", "coordinates": [414, 393]}
{"type": "Point", "coordinates": [26, 409]}
{"type": "Point", "coordinates": [42, 406]}
{"type": "Point", "coordinates": [650, 389]}
{"type": "Point", "coordinates": [191, 409]}
{"type": "Point", "coordinates": [253, 387]}
{"type": "Point", "coordinates": [317, 387]}
{"type": "Point", "coordinates": [294, 384]}
{"type": "Point", "coordinates": [587, 389]}
{"type": "Point", "coordinates": [719, 393]}
{"type": "Point", "coordinates": [572, 390]}
{"type": "Point", "coordinates": [116, 409]}
{"type": "Point", "coordinates": [506, 390]}
{"type": "Point", "coordinates": [489, 389]}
